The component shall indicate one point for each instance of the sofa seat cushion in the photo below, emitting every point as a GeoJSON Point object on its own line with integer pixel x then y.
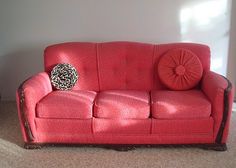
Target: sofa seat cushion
{"type": "Point", "coordinates": [180, 104]}
{"type": "Point", "coordinates": [122, 104]}
{"type": "Point", "coordinates": [66, 104]}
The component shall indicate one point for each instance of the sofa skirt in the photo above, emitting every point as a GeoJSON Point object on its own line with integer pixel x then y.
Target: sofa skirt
{"type": "Point", "coordinates": [129, 131]}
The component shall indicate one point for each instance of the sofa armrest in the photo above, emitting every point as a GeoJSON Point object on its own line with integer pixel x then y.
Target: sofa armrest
{"type": "Point", "coordinates": [219, 91]}
{"type": "Point", "coordinates": [28, 95]}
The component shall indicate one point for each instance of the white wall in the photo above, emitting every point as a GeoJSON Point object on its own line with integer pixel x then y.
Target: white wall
{"type": "Point", "coordinates": [231, 73]}
{"type": "Point", "coordinates": [28, 26]}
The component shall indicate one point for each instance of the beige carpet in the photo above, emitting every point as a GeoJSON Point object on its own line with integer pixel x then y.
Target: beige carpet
{"type": "Point", "coordinates": [13, 155]}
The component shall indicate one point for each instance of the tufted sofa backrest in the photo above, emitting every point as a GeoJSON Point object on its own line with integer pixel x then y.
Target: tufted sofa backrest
{"type": "Point", "coordinates": [117, 65]}
{"type": "Point", "coordinates": [83, 56]}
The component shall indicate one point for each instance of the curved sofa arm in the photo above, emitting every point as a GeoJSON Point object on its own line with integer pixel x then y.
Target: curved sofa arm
{"type": "Point", "coordinates": [28, 95]}
{"type": "Point", "coordinates": [219, 91]}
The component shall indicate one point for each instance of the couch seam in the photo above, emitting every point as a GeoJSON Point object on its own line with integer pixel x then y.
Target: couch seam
{"type": "Point", "coordinates": [152, 87]}
{"type": "Point", "coordinates": [98, 72]}
{"type": "Point", "coordinates": [150, 107]}
{"type": "Point", "coordinates": [93, 110]}
{"type": "Point", "coordinates": [153, 66]}
{"type": "Point", "coordinates": [126, 68]}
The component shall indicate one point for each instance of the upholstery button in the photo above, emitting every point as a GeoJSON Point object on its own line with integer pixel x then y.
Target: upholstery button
{"type": "Point", "coordinates": [180, 70]}
{"type": "Point", "coordinates": [140, 69]}
{"type": "Point", "coordinates": [115, 69]}
{"type": "Point", "coordinates": [85, 69]}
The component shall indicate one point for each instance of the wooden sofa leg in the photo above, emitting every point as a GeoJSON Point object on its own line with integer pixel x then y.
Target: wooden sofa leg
{"type": "Point", "coordinates": [125, 148]}
{"type": "Point", "coordinates": [216, 147]}
{"type": "Point", "coordinates": [121, 148]}
{"type": "Point", "coordinates": [32, 146]}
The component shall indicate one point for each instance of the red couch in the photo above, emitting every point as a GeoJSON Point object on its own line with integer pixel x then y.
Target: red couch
{"type": "Point", "coordinates": [120, 99]}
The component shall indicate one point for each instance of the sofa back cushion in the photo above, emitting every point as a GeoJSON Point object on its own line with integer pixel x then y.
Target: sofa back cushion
{"type": "Point", "coordinates": [82, 56]}
{"type": "Point", "coordinates": [125, 65]}
{"type": "Point", "coordinates": [117, 65]}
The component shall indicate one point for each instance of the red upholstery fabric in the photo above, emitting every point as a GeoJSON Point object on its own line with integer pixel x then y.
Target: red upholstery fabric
{"type": "Point", "coordinates": [180, 104]}
{"type": "Point", "coordinates": [180, 69]}
{"type": "Point", "coordinates": [34, 89]}
{"type": "Point", "coordinates": [122, 104]}
{"type": "Point", "coordinates": [214, 85]}
{"type": "Point", "coordinates": [124, 139]}
{"type": "Point", "coordinates": [83, 56]}
{"type": "Point", "coordinates": [183, 126]}
{"type": "Point", "coordinates": [125, 65]}
{"type": "Point", "coordinates": [202, 51]}
{"type": "Point", "coordinates": [63, 126]}
{"type": "Point", "coordinates": [79, 131]}
{"type": "Point", "coordinates": [121, 126]}
{"type": "Point", "coordinates": [67, 104]}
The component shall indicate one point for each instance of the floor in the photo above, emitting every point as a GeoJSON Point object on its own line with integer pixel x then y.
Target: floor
{"type": "Point", "coordinates": [13, 155]}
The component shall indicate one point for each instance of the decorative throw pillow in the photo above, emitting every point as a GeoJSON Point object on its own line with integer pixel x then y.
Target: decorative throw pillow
{"type": "Point", "coordinates": [180, 69]}
{"type": "Point", "coordinates": [64, 76]}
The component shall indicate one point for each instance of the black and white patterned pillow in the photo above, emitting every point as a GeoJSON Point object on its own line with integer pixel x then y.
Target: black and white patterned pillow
{"type": "Point", "coordinates": [64, 76]}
